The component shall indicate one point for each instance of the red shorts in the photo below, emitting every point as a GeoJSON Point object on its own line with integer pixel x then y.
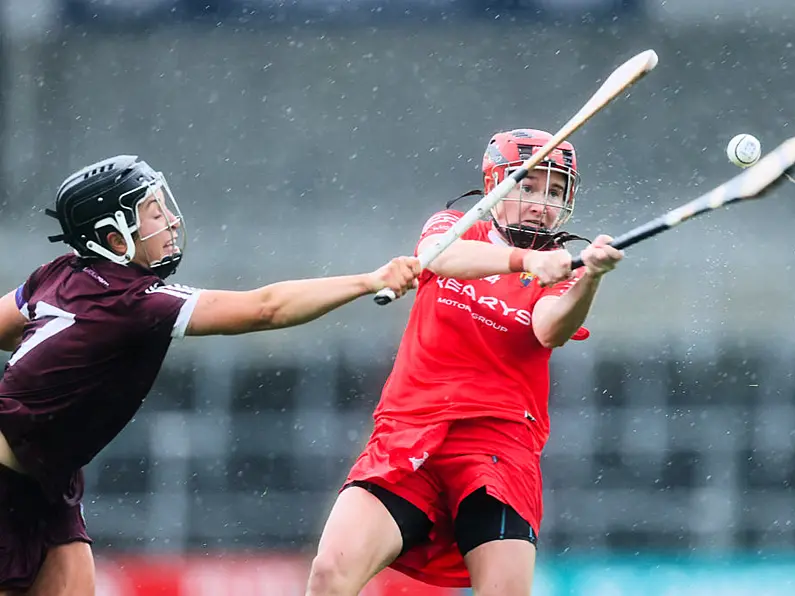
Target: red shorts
{"type": "Point", "coordinates": [435, 467]}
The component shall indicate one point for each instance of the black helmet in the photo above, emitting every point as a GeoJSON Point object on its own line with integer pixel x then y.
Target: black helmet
{"type": "Point", "coordinates": [104, 197]}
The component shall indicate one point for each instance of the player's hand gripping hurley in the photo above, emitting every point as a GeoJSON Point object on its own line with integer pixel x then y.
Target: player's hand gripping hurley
{"type": "Point", "coordinates": [619, 80]}
{"type": "Point", "coordinates": [751, 184]}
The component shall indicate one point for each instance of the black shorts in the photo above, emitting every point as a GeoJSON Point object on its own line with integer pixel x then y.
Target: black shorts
{"type": "Point", "coordinates": [481, 518]}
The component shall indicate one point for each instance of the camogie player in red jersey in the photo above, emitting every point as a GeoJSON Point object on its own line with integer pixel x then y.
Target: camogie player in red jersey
{"type": "Point", "coordinates": [448, 488]}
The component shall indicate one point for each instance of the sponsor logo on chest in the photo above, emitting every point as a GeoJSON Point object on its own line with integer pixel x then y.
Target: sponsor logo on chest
{"type": "Point", "coordinates": [476, 297]}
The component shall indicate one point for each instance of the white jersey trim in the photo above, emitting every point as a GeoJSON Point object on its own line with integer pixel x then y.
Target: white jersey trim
{"type": "Point", "coordinates": [188, 294]}
{"type": "Point", "coordinates": [185, 313]}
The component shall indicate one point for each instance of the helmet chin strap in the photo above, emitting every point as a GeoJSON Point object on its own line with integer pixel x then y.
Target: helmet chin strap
{"type": "Point", "coordinates": [535, 240]}
{"type": "Point", "coordinates": [166, 266]}
{"type": "Point", "coordinates": [541, 239]}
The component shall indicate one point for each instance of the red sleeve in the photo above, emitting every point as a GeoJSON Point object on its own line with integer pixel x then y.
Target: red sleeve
{"type": "Point", "coordinates": [437, 224]}
{"type": "Point", "coordinates": [561, 288]}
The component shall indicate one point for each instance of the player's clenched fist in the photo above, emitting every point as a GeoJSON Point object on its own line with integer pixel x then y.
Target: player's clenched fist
{"type": "Point", "coordinates": [399, 275]}
{"type": "Point", "coordinates": [549, 267]}
{"type": "Point", "coordinates": [600, 257]}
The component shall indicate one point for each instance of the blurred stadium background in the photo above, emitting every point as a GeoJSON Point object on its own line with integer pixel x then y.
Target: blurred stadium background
{"type": "Point", "coordinates": [308, 137]}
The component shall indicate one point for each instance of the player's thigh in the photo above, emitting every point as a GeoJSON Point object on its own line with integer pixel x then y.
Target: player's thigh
{"type": "Point", "coordinates": [68, 570]}
{"type": "Point", "coordinates": [498, 545]}
{"type": "Point", "coordinates": [360, 535]}
{"type": "Point", "coordinates": [368, 528]}
{"type": "Point", "coordinates": [502, 568]}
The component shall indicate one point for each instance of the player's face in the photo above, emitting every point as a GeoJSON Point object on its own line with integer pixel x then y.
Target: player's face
{"type": "Point", "coordinates": [535, 202]}
{"type": "Point", "coordinates": [158, 230]}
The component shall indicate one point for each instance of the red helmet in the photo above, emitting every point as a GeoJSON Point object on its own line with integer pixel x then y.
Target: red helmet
{"type": "Point", "coordinates": [505, 152]}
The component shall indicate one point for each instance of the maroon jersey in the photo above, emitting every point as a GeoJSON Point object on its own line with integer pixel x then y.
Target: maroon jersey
{"type": "Point", "coordinates": [96, 336]}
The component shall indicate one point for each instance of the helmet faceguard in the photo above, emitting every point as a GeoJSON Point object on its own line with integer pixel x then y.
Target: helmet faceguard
{"type": "Point", "coordinates": [108, 196]}
{"type": "Point", "coordinates": [505, 153]}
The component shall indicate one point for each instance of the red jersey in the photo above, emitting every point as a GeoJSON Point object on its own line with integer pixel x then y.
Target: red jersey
{"type": "Point", "coordinates": [469, 349]}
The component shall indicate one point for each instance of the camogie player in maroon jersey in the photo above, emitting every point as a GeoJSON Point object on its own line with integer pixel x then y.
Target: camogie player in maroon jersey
{"type": "Point", "coordinates": [89, 332]}
{"type": "Point", "coordinates": [448, 488]}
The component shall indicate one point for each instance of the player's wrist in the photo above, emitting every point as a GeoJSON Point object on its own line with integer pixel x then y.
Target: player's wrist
{"type": "Point", "coordinates": [592, 275]}
{"type": "Point", "coordinates": [369, 283]}
{"type": "Point", "coordinates": [517, 261]}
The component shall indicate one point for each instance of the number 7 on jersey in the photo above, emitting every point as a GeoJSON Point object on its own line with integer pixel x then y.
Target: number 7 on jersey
{"type": "Point", "coordinates": [60, 320]}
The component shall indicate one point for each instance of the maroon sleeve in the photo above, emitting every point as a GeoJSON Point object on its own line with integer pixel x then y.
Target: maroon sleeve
{"type": "Point", "coordinates": [166, 307]}
{"type": "Point", "coordinates": [25, 290]}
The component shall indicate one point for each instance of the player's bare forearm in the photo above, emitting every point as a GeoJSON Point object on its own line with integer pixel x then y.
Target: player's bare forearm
{"type": "Point", "coordinates": [470, 259]}
{"type": "Point", "coordinates": [556, 319]}
{"type": "Point", "coordinates": [275, 306]}
{"type": "Point", "coordinates": [290, 303]}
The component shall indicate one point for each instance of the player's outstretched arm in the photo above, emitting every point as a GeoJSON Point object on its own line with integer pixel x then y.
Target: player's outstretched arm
{"type": "Point", "coordinates": [12, 323]}
{"type": "Point", "coordinates": [557, 318]}
{"type": "Point", "coordinates": [291, 303]}
{"type": "Point", "coordinates": [472, 259]}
